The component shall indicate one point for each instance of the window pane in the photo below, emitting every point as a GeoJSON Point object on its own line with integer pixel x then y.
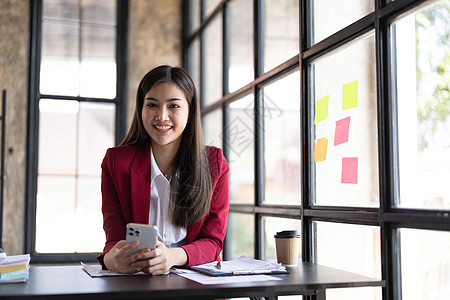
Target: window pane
{"type": "Point", "coordinates": [241, 44]}
{"type": "Point", "coordinates": [271, 227]}
{"type": "Point", "coordinates": [74, 64]}
{"type": "Point", "coordinates": [346, 154]}
{"type": "Point", "coordinates": [353, 248]}
{"type": "Point", "coordinates": [78, 59]}
{"type": "Point", "coordinates": [99, 11]}
{"type": "Point", "coordinates": [61, 9]}
{"type": "Point", "coordinates": [97, 128]}
{"type": "Point", "coordinates": [73, 140]}
{"type": "Point", "coordinates": [240, 235]}
{"type": "Point", "coordinates": [282, 140]}
{"type": "Point", "coordinates": [213, 61]}
{"type": "Point", "coordinates": [212, 128]}
{"type": "Point", "coordinates": [88, 214]}
{"type": "Point", "coordinates": [423, 64]}
{"type": "Point", "coordinates": [58, 129]}
{"type": "Point", "coordinates": [348, 11]}
{"type": "Point", "coordinates": [242, 155]}
{"type": "Point", "coordinates": [60, 67]}
{"type": "Point", "coordinates": [98, 67]}
{"type": "Point", "coordinates": [369, 293]}
{"type": "Point", "coordinates": [67, 208]}
{"type": "Point", "coordinates": [56, 230]}
{"type": "Point", "coordinates": [210, 6]}
{"type": "Point", "coordinates": [281, 31]}
{"type": "Point", "coordinates": [194, 15]}
{"type": "Point", "coordinates": [425, 262]}
{"type": "Point", "coordinates": [194, 65]}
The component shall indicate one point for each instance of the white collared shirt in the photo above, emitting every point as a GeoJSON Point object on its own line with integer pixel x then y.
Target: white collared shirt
{"type": "Point", "coordinates": [169, 234]}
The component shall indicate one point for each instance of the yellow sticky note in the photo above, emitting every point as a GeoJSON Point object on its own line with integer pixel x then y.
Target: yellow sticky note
{"type": "Point", "coordinates": [320, 149]}
{"type": "Point", "coordinates": [350, 95]}
{"type": "Point", "coordinates": [321, 109]}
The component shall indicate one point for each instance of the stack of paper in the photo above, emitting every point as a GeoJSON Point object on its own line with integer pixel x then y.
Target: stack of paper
{"type": "Point", "coordinates": [14, 268]}
{"type": "Point", "coordinates": [240, 266]}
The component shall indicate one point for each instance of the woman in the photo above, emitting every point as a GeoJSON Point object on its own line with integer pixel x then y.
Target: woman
{"type": "Point", "coordinates": [163, 175]}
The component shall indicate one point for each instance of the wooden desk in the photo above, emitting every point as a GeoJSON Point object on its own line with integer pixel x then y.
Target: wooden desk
{"type": "Point", "coordinates": [71, 282]}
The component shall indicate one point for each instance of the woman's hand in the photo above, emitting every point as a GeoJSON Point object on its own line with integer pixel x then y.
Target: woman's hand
{"type": "Point", "coordinates": [159, 260]}
{"type": "Point", "coordinates": [117, 260]}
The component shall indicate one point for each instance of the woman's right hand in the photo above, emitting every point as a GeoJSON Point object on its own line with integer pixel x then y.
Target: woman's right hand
{"type": "Point", "coordinates": [117, 260]}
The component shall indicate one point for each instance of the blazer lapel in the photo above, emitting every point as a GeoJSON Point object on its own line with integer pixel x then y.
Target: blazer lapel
{"type": "Point", "coordinates": [140, 185]}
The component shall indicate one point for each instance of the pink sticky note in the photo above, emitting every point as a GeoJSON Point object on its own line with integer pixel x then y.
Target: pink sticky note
{"type": "Point", "coordinates": [349, 170]}
{"type": "Point", "coordinates": [341, 132]}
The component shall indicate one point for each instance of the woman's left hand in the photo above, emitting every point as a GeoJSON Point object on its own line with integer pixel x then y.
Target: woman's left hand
{"type": "Point", "coordinates": [159, 260]}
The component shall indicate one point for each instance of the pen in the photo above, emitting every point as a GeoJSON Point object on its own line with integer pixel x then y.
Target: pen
{"type": "Point", "coordinates": [218, 266]}
{"type": "Point", "coordinates": [248, 272]}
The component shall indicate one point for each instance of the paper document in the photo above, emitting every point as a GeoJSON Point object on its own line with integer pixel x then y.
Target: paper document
{"type": "Point", "coordinates": [206, 279]}
{"type": "Point", "coordinates": [97, 271]}
{"type": "Point", "coordinates": [240, 266]}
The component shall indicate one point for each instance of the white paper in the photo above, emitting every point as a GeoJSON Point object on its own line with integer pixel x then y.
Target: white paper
{"type": "Point", "coordinates": [15, 260]}
{"type": "Point", "coordinates": [242, 264]}
{"type": "Point", "coordinates": [97, 271]}
{"type": "Point", "coordinates": [205, 279]}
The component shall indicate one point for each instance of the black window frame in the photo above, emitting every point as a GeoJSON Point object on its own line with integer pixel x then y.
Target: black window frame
{"type": "Point", "coordinates": [387, 217]}
{"type": "Point", "coordinates": [120, 101]}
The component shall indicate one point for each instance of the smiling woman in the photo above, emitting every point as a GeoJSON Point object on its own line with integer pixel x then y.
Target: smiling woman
{"type": "Point", "coordinates": [164, 115]}
{"type": "Point", "coordinates": [162, 174]}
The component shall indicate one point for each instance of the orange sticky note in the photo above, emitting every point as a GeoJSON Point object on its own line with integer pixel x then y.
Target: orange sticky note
{"type": "Point", "coordinates": [349, 170]}
{"type": "Point", "coordinates": [320, 149]}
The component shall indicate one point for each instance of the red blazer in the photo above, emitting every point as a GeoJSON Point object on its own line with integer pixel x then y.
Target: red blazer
{"type": "Point", "coordinates": [126, 199]}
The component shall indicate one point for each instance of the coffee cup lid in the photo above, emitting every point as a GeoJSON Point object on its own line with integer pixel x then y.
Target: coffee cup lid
{"type": "Point", "coordinates": [287, 234]}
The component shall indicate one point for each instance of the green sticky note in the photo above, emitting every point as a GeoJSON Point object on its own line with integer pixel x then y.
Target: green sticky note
{"type": "Point", "coordinates": [321, 109]}
{"type": "Point", "coordinates": [350, 95]}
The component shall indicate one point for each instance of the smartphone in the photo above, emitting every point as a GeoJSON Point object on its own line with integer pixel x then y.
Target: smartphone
{"type": "Point", "coordinates": [144, 233]}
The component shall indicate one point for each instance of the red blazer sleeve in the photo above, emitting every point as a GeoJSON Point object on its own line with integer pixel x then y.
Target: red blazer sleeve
{"type": "Point", "coordinates": [205, 239]}
{"type": "Point", "coordinates": [115, 207]}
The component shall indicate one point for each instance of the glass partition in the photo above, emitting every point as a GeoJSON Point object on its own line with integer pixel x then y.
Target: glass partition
{"type": "Point", "coordinates": [240, 235]}
{"type": "Point", "coordinates": [282, 154]}
{"type": "Point", "coordinates": [241, 44]}
{"type": "Point", "coordinates": [345, 121]}
{"type": "Point", "coordinates": [330, 16]}
{"type": "Point", "coordinates": [353, 248]}
{"type": "Point", "coordinates": [425, 264]}
{"type": "Point", "coordinates": [212, 85]}
{"type": "Point", "coordinates": [423, 62]}
{"type": "Point", "coordinates": [212, 128]}
{"type": "Point", "coordinates": [281, 31]}
{"type": "Point", "coordinates": [241, 146]}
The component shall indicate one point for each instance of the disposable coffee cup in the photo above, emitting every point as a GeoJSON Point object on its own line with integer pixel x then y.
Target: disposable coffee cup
{"type": "Point", "coordinates": [287, 245]}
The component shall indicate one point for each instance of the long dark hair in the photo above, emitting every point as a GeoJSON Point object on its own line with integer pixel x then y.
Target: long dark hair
{"type": "Point", "coordinates": [191, 191]}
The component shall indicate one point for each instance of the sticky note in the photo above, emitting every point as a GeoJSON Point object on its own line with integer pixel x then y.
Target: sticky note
{"type": "Point", "coordinates": [341, 132]}
{"type": "Point", "coordinates": [349, 170]}
{"type": "Point", "coordinates": [321, 109]}
{"type": "Point", "coordinates": [350, 95]}
{"type": "Point", "coordinates": [320, 149]}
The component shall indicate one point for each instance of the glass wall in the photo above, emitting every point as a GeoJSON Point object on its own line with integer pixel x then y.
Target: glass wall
{"type": "Point", "coordinates": [241, 155]}
{"type": "Point", "coordinates": [422, 55]}
{"type": "Point", "coordinates": [345, 121]}
{"type": "Point", "coordinates": [334, 119]}
{"type": "Point", "coordinates": [282, 153]}
{"type": "Point", "coordinates": [423, 67]}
